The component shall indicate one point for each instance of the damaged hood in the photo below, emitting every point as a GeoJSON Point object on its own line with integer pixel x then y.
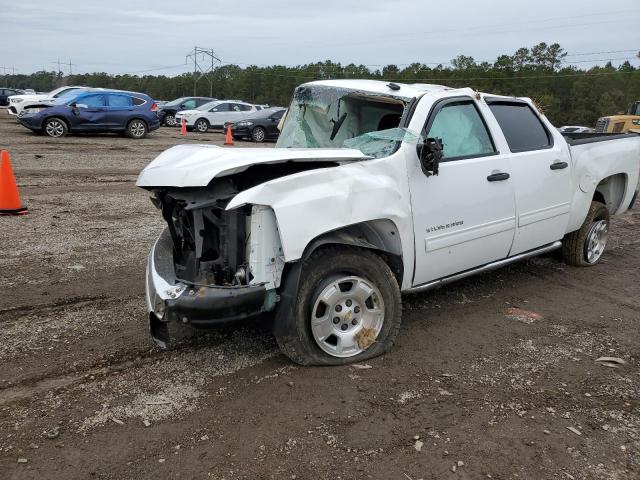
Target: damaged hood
{"type": "Point", "coordinates": [197, 165]}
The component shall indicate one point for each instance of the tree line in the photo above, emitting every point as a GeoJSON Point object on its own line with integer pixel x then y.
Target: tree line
{"type": "Point", "coordinates": [566, 93]}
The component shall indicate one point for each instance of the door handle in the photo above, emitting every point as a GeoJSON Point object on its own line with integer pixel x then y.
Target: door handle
{"type": "Point", "coordinates": [558, 165]}
{"type": "Point", "coordinates": [498, 177]}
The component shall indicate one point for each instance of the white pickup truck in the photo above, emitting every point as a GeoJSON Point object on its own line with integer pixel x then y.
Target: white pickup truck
{"type": "Point", "coordinates": [374, 189]}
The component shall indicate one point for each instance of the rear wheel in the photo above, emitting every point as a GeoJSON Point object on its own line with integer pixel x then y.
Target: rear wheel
{"type": "Point", "coordinates": [54, 127]}
{"type": "Point", "coordinates": [258, 134]}
{"type": "Point", "coordinates": [347, 309]}
{"type": "Point", "coordinates": [201, 125]}
{"type": "Point", "coordinates": [137, 129]}
{"type": "Point", "coordinates": [170, 120]}
{"type": "Point", "coordinates": [585, 246]}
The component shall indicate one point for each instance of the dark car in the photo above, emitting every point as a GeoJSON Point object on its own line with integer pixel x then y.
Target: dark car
{"type": "Point", "coordinates": [259, 127]}
{"type": "Point", "coordinates": [5, 93]}
{"type": "Point", "coordinates": [167, 112]}
{"type": "Point", "coordinates": [134, 114]}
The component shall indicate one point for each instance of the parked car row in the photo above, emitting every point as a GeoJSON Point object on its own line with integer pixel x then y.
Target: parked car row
{"type": "Point", "coordinates": [85, 109]}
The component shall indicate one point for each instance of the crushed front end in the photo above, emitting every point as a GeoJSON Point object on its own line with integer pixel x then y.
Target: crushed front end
{"type": "Point", "coordinates": [206, 268]}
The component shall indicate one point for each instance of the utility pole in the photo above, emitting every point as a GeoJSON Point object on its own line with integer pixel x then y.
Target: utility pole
{"type": "Point", "coordinates": [204, 67]}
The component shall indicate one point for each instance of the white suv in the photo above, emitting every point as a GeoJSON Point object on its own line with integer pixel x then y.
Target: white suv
{"type": "Point", "coordinates": [18, 102]}
{"type": "Point", "coordinates": [215, 114]}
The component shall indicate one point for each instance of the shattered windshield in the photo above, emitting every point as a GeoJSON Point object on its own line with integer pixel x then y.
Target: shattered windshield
{"type": "Point", "coordinates": [383, 142]}
{"type": "Point", "coordinates": [330, 117]}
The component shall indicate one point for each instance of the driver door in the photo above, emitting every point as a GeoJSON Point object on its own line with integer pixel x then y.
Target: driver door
{"type": "Point", "coordinates": [465, 216]}
{"type": "Point", "coordinates": [91, 112]}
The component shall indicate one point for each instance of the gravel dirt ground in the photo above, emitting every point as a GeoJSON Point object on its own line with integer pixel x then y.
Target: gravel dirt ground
{"type": "Point", "coordinates": [492, 377]}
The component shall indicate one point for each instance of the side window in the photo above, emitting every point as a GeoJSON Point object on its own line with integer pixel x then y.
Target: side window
{"type": "Point", "coordinates": [223, 107]}
{"type": "Point", "coordinates": [462, 131]}
{"type": "Point", "coordinates": [93, 101]}
{"type": "Point", "coordinates": [120, 101]}
{"type": "Point", "coordinates": [244, 108]}
{"type": "Point", "coordinates": [201, 101]}
{"type": "Point", "coordinates": [139, 101]}
{"type": "Point", "coordinates": [521, 126]}
{"type": "Point", "coordinates": [189, 104]}
{"type": "Point", "coordinates": [278, 115]}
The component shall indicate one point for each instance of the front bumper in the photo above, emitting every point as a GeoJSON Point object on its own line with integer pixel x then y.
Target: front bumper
{"type": "Point", "coordinates": [31, 122]}
{"type": "Point", "coordinates": [170, 300]}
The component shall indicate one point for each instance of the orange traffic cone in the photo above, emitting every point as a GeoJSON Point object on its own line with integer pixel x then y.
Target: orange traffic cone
{"type": "Point", "coordinates": [183, 127]}
{"type": "Point", "coordinates": [229, 139]}
{"type": "Point", "coordinates": [9, 198]}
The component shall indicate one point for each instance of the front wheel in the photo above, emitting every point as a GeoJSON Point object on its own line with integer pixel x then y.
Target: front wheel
{"type": "Point", "coordinates": [585, 246]}
{"type": "Point", "coordinates": [136, 129]}
{"type": "Point", "coordinates": [348, 309]}
{"type": "Point", "coordinates": [201, 125]}
{"type": "Point", "coordinates": [170, 120]}
{"type": "Point", "coordinates": [258, 134]}
{"type": "Point", "coordinates": [54, 127]}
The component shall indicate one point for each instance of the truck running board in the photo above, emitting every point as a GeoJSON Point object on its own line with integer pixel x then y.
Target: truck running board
{"type": "Point", "coordinates": [485, 268]}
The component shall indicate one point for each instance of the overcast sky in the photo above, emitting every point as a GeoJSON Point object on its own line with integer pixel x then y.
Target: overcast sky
{"type": "Point", "coordinates": [120, 36]}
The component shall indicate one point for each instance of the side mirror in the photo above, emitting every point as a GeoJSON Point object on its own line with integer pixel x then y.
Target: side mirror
{"type": "Point", "coordinates": [431, 156]}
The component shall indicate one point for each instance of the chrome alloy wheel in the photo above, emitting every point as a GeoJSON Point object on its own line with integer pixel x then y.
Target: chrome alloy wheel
{"type": "Point", "coordinates": [137, 129]}
{"type": "Point", "coordinates": [202, 126]}
{"type": "Point", "coordinates": [596, 240]}
{"type": "Point", "coordinates": [346, 309]}
{"type": "Point", "coordinates": [170, 120]}
{"type": "Point", "coordinates": [55, 128]}
{"type": "Point", "coordinates": [258, 135]}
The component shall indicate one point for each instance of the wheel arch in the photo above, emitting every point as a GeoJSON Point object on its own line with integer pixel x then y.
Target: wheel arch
{"type": "Point", "coordinates": [611, 191]}
{"type": "Point", "coordinates": [380, 236]}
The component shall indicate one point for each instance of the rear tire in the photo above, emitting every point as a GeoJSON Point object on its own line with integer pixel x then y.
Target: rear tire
{"type": "Point", "coordinates": [55, 128]}
{"type": "Point", "coordinates": [584, 247]}
{"type": "Point", "coordinates": [137, 129]}
{"type": "Point", "coordinates": [358, 334]}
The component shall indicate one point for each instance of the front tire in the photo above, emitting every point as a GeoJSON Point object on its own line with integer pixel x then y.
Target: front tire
{"type": "Point", "coordinates": [258, 134]}
{"type": "Point", "coordinates": [201, 125]}
{"type": "Point", "coordinates": [348, 309]}
{"type": "Point", "coordinates": [137, 129]}
{"type": "Point", "coordinates": [170, 120]}
{"type": "Point", "coordinates": [584, 247]}
{"type": "Point", "coordinates": [55, 128]}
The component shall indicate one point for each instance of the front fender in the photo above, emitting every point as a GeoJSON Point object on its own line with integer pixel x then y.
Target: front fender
{"type": "Point", "coordinates": [311, 203]}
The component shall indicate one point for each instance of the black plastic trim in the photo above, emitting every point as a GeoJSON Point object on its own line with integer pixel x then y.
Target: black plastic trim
{"type": "Point", "coordinates": [211, 305]}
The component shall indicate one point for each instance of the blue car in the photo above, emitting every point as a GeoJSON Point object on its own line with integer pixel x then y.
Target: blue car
{"type": "Point", "coordinates": [134, 114]}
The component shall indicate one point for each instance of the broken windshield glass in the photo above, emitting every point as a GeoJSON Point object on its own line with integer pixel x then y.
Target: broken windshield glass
{"type": "Point", "coordinates": [384, 142]}
{"type": "Point", "coordinates": [327, 117]}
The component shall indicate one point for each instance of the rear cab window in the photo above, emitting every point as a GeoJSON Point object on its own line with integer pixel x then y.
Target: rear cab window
{"type": "Point", "coordinates": [522, 128]}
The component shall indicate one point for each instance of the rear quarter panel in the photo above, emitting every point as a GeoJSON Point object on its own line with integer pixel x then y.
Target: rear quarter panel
{"type": "Point", "coordinates": [593, 162]}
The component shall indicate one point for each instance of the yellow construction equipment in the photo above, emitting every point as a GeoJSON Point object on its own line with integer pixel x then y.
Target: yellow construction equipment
{"type": "Point", "coordinates": [621, 123]}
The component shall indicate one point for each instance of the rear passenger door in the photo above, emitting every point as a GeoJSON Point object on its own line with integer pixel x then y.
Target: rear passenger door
{"type": "Point", "coordinates": [541, 174]}
{"type": "Point", "coordinates": [119, 110]}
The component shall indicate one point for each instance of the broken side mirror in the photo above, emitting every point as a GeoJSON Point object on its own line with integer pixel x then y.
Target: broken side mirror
{"type": "Point", "coordinates": [431, 156]}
